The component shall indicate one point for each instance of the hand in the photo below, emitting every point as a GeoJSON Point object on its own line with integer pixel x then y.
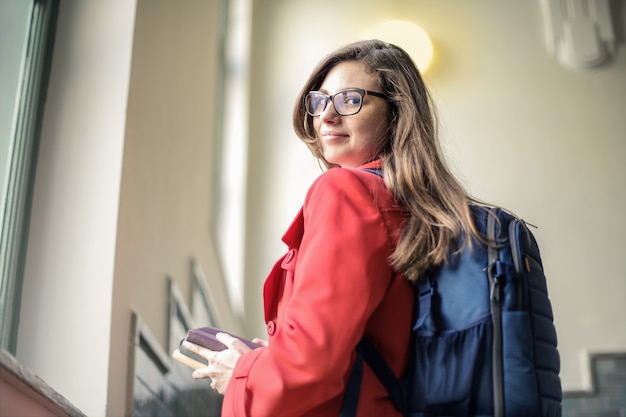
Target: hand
{"type": "Point", "coordinates": [222, 363]}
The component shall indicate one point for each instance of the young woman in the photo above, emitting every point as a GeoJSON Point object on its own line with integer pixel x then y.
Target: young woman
{"type": "Point", "coordinates": [356, 245]}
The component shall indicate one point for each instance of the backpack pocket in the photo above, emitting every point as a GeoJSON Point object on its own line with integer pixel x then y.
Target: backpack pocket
{"type": "Point", "coordinates": [520, 383]}
{"type": "Point", "coordinates": [452, 369]}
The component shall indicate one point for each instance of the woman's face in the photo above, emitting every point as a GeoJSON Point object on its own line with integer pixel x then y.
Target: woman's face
{"type": "Point", "coordinates": [350, 141]}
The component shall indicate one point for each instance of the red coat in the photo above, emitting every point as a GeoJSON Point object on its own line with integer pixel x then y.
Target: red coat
{"type": "Point", "coordinates": [333, 285]}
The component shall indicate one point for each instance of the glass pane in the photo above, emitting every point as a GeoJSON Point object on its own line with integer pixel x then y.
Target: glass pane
{"type": "Point", "coordinates": [14, 25]}
{"type": "Point", "coordinates": [26, 35]}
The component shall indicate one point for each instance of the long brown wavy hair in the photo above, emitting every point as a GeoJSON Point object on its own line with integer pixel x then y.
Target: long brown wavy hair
{"type": "Point", "coordinates": [414, 170]}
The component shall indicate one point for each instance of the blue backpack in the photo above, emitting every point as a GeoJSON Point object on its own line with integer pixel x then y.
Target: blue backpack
{"type": "Point", "coordinates": [483, 341]}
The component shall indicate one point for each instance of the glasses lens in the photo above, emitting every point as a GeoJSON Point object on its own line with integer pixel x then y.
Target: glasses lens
{"type": "Point", "coordinates": [348, 102]}
{"type": "Point", "coordinates": [315, 103]}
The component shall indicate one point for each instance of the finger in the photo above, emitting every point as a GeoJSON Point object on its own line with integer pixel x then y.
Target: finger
{"type": "Point", "coordinates": [191, 346]}
{"type": "Point", "coordinates": [219, 386]}
{"type": "Point", "coordinates": [200, 350]}
{"type": "Point", "coordinates": [233, 343]}
{"type": "Point", "coordinates": [261, 342]}
{"type": "Point", "coordinates": [218, 382]}
{"type": "Point", "coordinates": [208, 354]}
{"type": "Point", "coordinates": [202, 373]}
{"type": "Point", "coordinates": [226, 339]}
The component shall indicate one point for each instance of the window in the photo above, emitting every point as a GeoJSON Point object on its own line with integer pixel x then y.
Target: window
{"type": "Point", "coordinates": [232, 154]}
{"type": "Point", "coordinates": [26, 38]}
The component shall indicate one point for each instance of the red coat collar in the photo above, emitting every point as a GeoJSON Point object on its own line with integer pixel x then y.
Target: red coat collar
{"type": "Point", "coordinates": [377, 164]}
{"type": "Point", "coordinates": [293, 235]}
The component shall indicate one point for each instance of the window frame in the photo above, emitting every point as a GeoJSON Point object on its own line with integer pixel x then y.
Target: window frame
{"type": "Point", "coordinates": [22, 163]}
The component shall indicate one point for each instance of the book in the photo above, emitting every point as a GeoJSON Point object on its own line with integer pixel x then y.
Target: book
{"type": "Point", "coordinates": [205, 336]}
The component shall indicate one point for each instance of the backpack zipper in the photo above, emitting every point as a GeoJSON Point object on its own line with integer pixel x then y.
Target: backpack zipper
{"type": "Point", "coordinates": [496, 314]}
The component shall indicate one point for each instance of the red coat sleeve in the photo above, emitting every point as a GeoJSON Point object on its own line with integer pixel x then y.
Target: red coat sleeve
{"type": "Point", "coordinates": [339, 277]}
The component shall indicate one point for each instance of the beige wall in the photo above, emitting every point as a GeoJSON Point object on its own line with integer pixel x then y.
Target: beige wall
{"type": "Point", "coordinates": [519, 129]}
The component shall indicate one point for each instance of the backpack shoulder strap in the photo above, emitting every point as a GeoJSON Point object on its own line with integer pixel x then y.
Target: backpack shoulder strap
{"type": "Point", "coordinates": [396, 387]}
{"type": "Point", "coordinates": [368, 353]}
{"type": "Point", "coordinates": [351, 399]}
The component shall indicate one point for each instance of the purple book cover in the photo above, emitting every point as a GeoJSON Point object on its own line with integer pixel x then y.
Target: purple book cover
{"type": "Point", "coordinates": [205, 336]}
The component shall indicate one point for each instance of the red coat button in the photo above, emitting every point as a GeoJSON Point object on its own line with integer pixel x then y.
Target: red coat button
{"type": "Point", "coordinates": [271, 327]}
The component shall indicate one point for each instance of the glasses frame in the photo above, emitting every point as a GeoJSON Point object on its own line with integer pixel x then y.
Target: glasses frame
{"type": "Point", "coordinates": [331, 98]}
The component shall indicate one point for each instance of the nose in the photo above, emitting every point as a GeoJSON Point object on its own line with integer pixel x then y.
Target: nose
{"type": "Point", "coordinates": [329, 113]}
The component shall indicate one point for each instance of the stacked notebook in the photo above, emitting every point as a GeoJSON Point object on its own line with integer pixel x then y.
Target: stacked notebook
{"type": "Point", "coordinates": [205, 337]}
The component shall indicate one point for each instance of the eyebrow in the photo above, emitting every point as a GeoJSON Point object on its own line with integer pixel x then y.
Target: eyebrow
{"type": "Point", "coordinates": [370, 92]}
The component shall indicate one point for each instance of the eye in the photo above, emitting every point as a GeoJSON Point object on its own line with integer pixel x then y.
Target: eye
{"type": "Point", "coordinates": [351, 98]}
{"type": "Point", "coordinates": [317, 100]}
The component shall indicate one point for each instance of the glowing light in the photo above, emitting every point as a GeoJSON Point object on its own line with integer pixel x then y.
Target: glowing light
{"type": "Point", "coordinates": [407, 35]}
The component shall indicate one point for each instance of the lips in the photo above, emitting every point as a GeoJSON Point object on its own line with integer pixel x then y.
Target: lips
{"type": "Point", "coordinates": [329, 136]}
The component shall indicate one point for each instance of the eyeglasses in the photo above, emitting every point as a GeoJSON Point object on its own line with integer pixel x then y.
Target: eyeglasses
{"type": "Point", "coordinates": [346, 102]}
